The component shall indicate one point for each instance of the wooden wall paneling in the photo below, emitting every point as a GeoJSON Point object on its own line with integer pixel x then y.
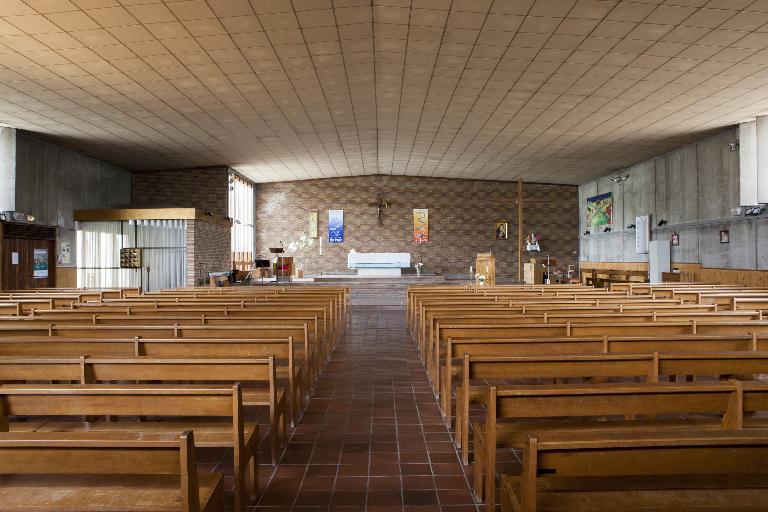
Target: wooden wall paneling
{"type": "Point", "coordinates": [66, 277]}
{"type": "Point", "coordinates": [24, 239]}
{"type": "Point", "coordinates": [692, 272]}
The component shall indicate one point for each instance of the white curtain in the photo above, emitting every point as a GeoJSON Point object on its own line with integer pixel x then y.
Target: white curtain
{"type": "Point", "coordinates": [163, 246]}
{"type": "Point", "coordinates": [164, 253]}
{"type": "Point", "coordinates": [241, 202]}
{"type": "Point", "coordinates": [98, 256]}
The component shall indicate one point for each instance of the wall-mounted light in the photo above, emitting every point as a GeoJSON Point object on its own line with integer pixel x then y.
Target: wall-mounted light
{"type": "Point", "coordinates": [733, 145]}
{"type": "Point", "coordinates": [586, 232]}
{"type": "Point", "coordinates": [631, 226]}
{"type": "Point", "coordinates": [661, 222]}
{"type": "Point", "coordinates": [607, 230]}
{"type": "Point", "coordinates": [620, 178]}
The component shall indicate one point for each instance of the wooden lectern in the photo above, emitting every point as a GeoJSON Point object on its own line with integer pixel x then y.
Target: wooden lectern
{"type": "Point", "coordinates": [485, 265]}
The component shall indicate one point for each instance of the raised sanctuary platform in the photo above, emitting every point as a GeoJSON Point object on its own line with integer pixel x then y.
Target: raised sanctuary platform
{"type": "Point", "coordinates": [378, 264]}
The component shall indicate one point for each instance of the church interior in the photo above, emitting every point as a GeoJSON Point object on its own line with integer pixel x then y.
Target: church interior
{"type": "Point", "coordinates": [383, 255]}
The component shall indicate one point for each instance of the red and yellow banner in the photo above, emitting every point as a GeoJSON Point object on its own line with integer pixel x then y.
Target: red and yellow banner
{"type": "Point", "coordinates": [420, 225]}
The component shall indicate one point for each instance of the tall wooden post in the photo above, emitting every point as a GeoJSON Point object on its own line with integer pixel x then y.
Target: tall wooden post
{"type": "Point", "coordinates": [519, 230]}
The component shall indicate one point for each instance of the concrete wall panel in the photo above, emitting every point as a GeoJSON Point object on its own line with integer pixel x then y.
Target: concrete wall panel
{"type": "Point", "coordinates": [52, 182]}
{"type": "Point", "coordinates": [693, 188]}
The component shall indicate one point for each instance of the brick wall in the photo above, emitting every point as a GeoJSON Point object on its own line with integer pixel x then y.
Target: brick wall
{"type": "Point", "coordinates": [207, 249]}
{"type": "Point", "coordinates": [206, 188]}
{"type": "Point", "coordinates": [552, 211]}
{"type": "Point", "coordinates": [462, 217]}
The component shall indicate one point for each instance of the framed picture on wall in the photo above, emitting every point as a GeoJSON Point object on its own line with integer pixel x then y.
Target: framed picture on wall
{"type": "Point", "coordinates": [675, 239]}
{"type": "Point", "coordinates": [502, 231]}
{"type": "Point", "coordinates": [724, 236]}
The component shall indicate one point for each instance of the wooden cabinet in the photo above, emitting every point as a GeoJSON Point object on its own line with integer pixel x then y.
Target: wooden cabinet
{"type": "Point", "coordinates": [533, 273]}
{"type": "Point", "coordinates": [20, 245]}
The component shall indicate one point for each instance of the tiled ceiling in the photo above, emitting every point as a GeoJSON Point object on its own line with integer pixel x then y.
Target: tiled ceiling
{"type": "Point", "coordinates": [552, 91]}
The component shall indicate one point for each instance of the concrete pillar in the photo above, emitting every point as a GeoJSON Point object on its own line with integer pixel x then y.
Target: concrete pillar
{"type": "Point", "coordinates": [748, 163]}
{"type": "Point", "coordinates": [761, 178]}
{"type": "Point", "coordinates": [7, 168]}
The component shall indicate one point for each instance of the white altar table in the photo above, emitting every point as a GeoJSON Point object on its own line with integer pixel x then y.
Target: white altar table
{"type": "Point", "coordinates": [378, 264]}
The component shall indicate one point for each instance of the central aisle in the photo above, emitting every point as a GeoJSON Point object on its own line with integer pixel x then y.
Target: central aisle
{"type": "Point", "coordinates": [372, 436]}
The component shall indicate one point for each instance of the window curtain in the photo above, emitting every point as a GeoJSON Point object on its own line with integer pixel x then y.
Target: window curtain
{"type": "Point", "coordinates": [163, 246]}
{"type": "Point", "coordinates": [241, 211]}
{"type": "Point", "coordinates": [98, 256]}
{"type": "Point", "coordinates": [164, 253]}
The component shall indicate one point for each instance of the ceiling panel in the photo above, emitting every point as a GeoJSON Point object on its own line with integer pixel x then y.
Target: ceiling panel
{"type": "Point", "coordinates": [553, 91]}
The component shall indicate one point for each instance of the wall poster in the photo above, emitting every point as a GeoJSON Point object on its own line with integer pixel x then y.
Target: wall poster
{"type": "Point", "coordinates": [335, 226]}
{"type": "Point", "coordinates": [420, 225]}
{"type": "Point", "coordinates": [41, 263]}
{"type": "Point", "coordinates": [600, 209]}
{"type": "Point", "coordinates": [313, 224]}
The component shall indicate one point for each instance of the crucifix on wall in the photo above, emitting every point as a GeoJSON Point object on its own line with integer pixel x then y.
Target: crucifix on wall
{"type": "Point", "coordinates": [380, 205]}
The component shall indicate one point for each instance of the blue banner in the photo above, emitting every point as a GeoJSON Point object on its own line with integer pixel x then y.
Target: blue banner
{"type": "Point", "coordinates": [335, 226]}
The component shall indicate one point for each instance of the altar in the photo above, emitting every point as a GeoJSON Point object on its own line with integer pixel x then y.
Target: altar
{"type": "Point", "coordinates": [378, 264]}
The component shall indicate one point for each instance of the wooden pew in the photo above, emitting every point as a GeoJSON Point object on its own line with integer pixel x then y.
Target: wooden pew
{"type": "Point", "coordinates": [649, 471]}
{"type": "Point", "coordinates": [234, 311]}
{"type": "Point", "coordinates": [37, 402]}
{"type": "Point", "coordinates": [299, 333]}
{"type": "Point", "coordinates": [533, 409]}
{"type": "Point", "coordinates": [73, 319]}
{"type": "Point", "coordinates": [82, 472]}
{"type": "Point", "coordinates": [257, 377]}
{"type": "Point", "coordinates": [581, 330]}
{"type": "Point", "coordinates": [650, 367]}
{"type": "Point", "coordinates": [557, 315]}
{"type": "Point", "coordinates": [459, 348]}
{"type": "Point", "coordinates": [292, 363]}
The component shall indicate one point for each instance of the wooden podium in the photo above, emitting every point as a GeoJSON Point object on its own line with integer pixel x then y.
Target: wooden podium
{"type": "Point", "coordinates": [485, 264]}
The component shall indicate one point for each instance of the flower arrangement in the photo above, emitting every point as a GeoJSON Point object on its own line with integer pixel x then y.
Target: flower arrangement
{"type": "Point", "coordinates": [532, 242]}
{"type": "Point", "coordinates": [533, 238]}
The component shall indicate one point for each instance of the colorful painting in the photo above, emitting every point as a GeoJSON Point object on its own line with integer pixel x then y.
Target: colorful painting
{"type": "Point", "coordinates": [335, 226]}
{"type": "Point", "coordinates": [313, 224]}
{"type": "Point", "coordinates": [600, 210]}
{"type": "Point", "coordinates": [420, 225]}
{"type": "Point", "coordinates": [41, 263]}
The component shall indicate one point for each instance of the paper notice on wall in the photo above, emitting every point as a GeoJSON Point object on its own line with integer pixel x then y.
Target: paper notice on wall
{"type": "Point", "coordinates": [642, 234]}
{"type": "Point", "coordinates": [65, 256]}
{"type": "Point", "coordinates": [14, 258]}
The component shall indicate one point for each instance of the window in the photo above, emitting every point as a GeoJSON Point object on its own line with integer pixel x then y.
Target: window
{"type": "Point", "coordinates": [241, 206]}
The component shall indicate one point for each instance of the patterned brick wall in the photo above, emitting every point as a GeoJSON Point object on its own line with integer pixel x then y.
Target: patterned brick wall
{"type": "Point", "coordinates": [206, 189]}
{"type": "Point", "coordinates": [552, 211]}
{"type": "Point", "coordinates": [462, 217]}
{"type": "Point", "coordinates": [207, 249]}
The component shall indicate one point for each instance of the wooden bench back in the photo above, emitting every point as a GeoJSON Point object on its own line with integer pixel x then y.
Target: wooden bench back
{"type": "Point", "coordinates": [670, 456]}
{"type": "Point", "coordinates": [89, 370]}
{"type": "Point", "coordinates": [94, 453]}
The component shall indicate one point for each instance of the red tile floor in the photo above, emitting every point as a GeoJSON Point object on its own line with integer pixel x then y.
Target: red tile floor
{"type": "Point", "coordinates": [372, 437]}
